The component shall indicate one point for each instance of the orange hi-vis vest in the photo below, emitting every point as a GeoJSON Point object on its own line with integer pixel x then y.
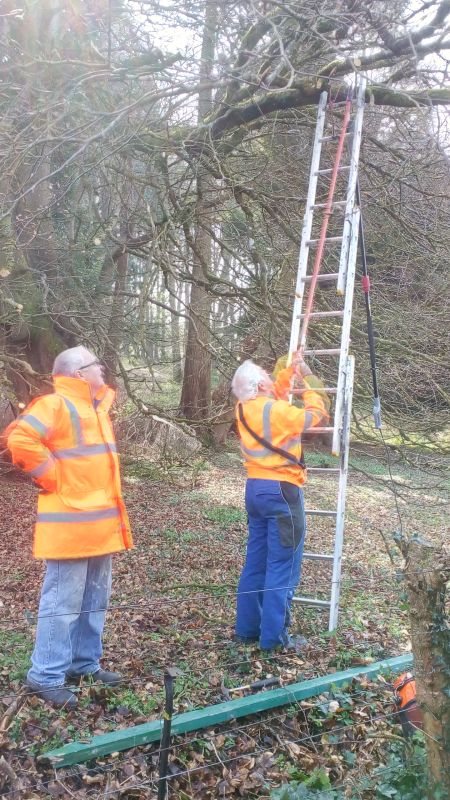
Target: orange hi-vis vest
{"type": "Point", "coordinates": [65, 442]}
{"type": "Point", "coordinates": [281, 425]}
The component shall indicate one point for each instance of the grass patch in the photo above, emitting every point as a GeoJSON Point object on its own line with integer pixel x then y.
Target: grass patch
{"type": "Point", "coordinates": [132, 701]}
{"type": "Point", "coordinates": [225, 515]}
{"type": "Point", "coordinates": [15, 652]}
{"type": "Point", "coordinates": [142, 468]}
{"type": "Point", "coordinates": [186, 684]}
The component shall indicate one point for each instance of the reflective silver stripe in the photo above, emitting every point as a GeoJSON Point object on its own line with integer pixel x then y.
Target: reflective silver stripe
{"type": "Point", "coordinates": [44, 467]}
{"type": "Point", "coordinates": [267, 434]}
{"type": "Point", "coordinates": [263, 451]}
{"type": "Point", "coordinates": [35, 423]}
{"type": "Point", "coordinates": [308, 420]}
{"type": "Point", "coordinates": [76, 421]}
{"type": "Point", "coordinates": [85, 450]}
{"type": "Point", "coordinates": [267, 430]}
{"type": "Point", "coordinates": [257, 453]}
{"type": "Point", "coordinates": [78, 516]}
{"type": "Point", "coordinates": [295, 441]}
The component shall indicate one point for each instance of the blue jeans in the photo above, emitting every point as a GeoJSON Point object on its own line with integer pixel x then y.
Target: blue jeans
{"type": "Point", "coordinates": [276, 527]}
{"type": "Point", "coordinates": [69, 630]}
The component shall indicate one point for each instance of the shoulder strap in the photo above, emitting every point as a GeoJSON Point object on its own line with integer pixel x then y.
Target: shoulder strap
{"type": "Point", "coordinates": [299, 462]}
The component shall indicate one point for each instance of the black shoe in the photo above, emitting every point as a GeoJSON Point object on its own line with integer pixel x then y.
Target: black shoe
{"type": "Point", "coordinates": [101, 676]}
{"type": "Point", "coordinates": [106, 677]}
{"type": "Point", "coordinates": [58, 696]}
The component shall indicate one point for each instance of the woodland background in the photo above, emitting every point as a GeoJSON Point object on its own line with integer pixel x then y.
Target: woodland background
{"type": "Point", "coordinates": [154, 163]}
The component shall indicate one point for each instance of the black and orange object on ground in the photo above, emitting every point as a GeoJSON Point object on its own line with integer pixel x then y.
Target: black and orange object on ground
{"type": "Point", "coordinates": [410, 715]}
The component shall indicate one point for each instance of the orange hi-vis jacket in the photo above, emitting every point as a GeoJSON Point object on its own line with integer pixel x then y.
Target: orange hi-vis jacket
{"type": "Point", "coordinates": [281, 424]}
{"type": "Point", "coordinates": [65, 442]}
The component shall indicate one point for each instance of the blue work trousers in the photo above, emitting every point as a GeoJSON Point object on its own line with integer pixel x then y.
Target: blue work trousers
{"type": "Point", "coordinates": [74, 598]}
{"type": "Point", "coordinates": [276, 527]}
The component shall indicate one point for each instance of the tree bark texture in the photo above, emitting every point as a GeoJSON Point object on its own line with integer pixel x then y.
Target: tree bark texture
{"type": "Point", "coordinates": [427, 575]}
{"type": "Point", "coordinates": [196, 390]}
{"type": "Point", "coordinates": [175, 339]}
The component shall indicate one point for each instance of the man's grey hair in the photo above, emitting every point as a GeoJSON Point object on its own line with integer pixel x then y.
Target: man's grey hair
{"type": "Point", "coordinates": [246, 380]}
{"type": "Point", "coordinates": [69, 361]}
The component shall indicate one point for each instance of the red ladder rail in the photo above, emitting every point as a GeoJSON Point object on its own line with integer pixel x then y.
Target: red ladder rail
{"type": "Point", "coordinates": [328, 210]}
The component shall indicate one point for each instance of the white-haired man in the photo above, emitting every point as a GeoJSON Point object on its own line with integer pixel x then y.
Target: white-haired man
{"type": "Point", "coordinates": [270, 431]}
{"type": "Point", "coordinates": [65, 442]}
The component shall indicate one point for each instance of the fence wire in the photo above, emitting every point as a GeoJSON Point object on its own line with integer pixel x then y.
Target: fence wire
{"type": "Point", "coordinates": [221, 762]}
{"type": "Point", "coordinates": [379, 586]}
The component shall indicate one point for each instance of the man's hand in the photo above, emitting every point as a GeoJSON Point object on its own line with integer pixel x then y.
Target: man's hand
{"type": "Point", "coordinates": [299, 365]}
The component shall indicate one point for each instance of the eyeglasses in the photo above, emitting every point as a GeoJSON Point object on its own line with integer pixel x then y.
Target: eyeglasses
{"type": "Point", "coordinates": [91, 364]}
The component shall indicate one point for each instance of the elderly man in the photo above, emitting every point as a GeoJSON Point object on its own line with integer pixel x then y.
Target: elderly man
{"type": "Point", "coordinates": [270, 431]}
{"type": "Point", "coordinates": [65, 442]}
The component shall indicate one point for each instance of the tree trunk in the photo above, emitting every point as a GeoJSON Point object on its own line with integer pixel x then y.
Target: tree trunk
{"type": "Point", "coordinates": [116, 320]}
{"type": "Point", "coordinates": [196, 390]}
{"type": "Point", "coordinates": [427, 574]}
{"type": "Point", "coordinates": [174, 330]}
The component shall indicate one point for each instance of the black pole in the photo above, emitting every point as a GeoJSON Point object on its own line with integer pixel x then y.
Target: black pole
{"type": "Point", "coordinates": [370, 334]}
{"type": "Point", "coordinates": [376, 410]}
{"type": "Point", "coordinates": [169, 678]}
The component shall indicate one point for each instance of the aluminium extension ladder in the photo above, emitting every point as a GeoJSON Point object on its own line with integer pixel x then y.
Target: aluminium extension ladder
{"type": "Point", "coordinates": [348, 141]}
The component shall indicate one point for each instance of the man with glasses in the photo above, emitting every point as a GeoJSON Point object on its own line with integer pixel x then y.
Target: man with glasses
{"type": "Point", "coordinates": [65, 442]}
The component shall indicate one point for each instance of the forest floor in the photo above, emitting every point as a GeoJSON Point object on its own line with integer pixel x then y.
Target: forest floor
{"type": "Point", "coordinates": [173, 604]}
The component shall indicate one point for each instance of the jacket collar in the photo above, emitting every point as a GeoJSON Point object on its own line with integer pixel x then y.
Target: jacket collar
{"type": "Point", "coordinates": [79, 389]}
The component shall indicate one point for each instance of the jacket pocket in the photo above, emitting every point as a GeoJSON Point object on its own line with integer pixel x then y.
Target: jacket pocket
{"type": "Point", "coordinates": [86, 500]}
{"type": "Point", "coordinates": [83, 475]}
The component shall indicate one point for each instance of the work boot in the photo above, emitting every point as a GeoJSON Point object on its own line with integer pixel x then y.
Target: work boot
{"type": "Point", "coordinates": [58, 696]}
{"type": "Point", "coordinates": [101, 676]}
{"type": "Point", "coordinates": [106, 677]}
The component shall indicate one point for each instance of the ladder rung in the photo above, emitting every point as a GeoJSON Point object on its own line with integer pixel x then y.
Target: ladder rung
{"type": "Point", "coordinates": [331, 239]}
{"type": "Point", "coordinates": [326, 389]}
{"type": "Point", "coordinates": [320, 512]}
{"type": "Point", "coordinates": [323, 469]}
{"type": "Point", "coordinates": [332, 351]}
{"type": "Point", "coordinates": [323, 278]}
{"type": "Point", "coordinates": [312, 601]}
{"type": "Point", "coordinates": [334, 203]}
{"type": "Point", "coordinates": [334, 137]}
{"type": "Point", "coordinates": [318, 429]}
{"type": "Point", "coordinates": [318, 556]}
{"type": "Point", "coordinates": [317, 314]}
{"type": "Point", "coordinates": [329, 170]}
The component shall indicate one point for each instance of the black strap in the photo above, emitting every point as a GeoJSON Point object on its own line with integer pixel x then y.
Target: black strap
{"type": "Point", "coordinates": [299, 462]}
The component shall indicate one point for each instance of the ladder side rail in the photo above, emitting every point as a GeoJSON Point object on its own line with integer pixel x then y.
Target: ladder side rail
{"type": "Point", "coordinates": [307, 225]}
{"type": "Point", "coordinates": [342, 494]}
{"type": "Point", "coordinates": [345, 333]}
{"type": "Point", "coordinates": [351, 185]}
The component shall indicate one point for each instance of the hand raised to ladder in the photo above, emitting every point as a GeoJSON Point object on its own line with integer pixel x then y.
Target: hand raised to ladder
{"type": "Point", "coordinates": [299, 365]}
